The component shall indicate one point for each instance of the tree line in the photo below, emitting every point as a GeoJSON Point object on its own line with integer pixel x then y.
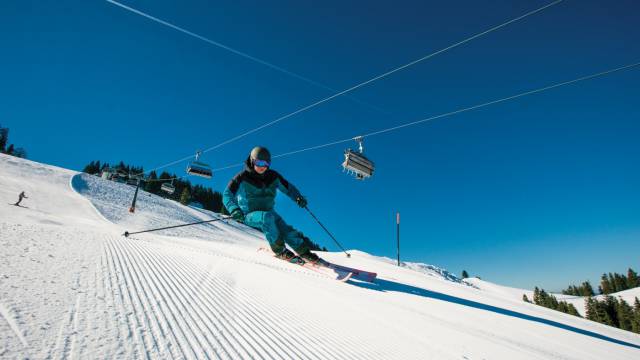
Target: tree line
{"type": "Point", "coordinates": [11, 149]}
{"type": "Point", "coordinates": [609, 283]}
{"type": "Point", "coordinates": [609, 310]}
{"type": "Point", "coordinates": [185, 192]}
{"type": "Point", "coordinates": [543, 298]}
{"type": "Point", "coordinates": [614, 312]}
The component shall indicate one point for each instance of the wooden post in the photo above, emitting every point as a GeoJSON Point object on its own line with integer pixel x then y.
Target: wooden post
{"type": "Point", "coordinates": [398, 234]}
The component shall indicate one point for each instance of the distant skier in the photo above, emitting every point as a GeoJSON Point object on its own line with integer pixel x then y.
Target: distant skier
{"type": "Point", "coordinates": [20, 197]}
{"type": "Point", "coordinates": [250, 198]}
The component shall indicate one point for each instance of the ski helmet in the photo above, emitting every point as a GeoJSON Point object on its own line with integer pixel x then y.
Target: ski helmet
{"type": "Point", "coordinates": [260, 153]}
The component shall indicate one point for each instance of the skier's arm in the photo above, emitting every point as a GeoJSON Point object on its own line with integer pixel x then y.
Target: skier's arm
{"type": "Point", "coordinates": [229, 195]}
{"type": "Point", "coordinates": [288, 188]}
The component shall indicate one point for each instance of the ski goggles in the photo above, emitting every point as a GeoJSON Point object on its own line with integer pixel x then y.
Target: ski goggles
{"type": "Point", "coordinates": [261, 163]}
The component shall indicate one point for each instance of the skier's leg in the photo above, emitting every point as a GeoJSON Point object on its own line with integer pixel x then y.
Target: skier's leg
{"type": "Point", "coordinates": [266, 221]}
{"type": "Point", "coordinates": [294, 238]}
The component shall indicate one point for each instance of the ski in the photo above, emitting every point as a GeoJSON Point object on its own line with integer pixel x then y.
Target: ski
{"type": "Point", "coordinates": [367, 276]}
{"type": "Point", "coordinates": [333, 273]}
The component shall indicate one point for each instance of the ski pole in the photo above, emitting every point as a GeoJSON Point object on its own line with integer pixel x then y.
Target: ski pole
{"type": "Point", "coordinates": [325, 229]}
{"type": "Point", "coordinates": [126, 233]}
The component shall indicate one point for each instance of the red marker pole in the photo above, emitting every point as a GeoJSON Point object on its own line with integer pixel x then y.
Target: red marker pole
{"type": "Point", "coordinates": [398, 234]}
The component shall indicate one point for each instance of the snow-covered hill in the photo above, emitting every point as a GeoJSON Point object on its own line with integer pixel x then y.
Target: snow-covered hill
{"type": "Point", "coordinates": [72, 287]}
{"type": "Point", "coordinates": [578, 301]}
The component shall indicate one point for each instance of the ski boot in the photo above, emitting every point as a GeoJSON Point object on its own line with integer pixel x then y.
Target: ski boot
{"type": "Point", "coordinates": [289, 256]}
{"type": "Point", "coordinates": [310, 257]}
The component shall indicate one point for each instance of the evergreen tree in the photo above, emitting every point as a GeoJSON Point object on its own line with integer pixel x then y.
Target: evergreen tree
{"type": "Point", "coordinates": [586, 289]}
{"type": "Point", "coordinates": [9, 150]}
{"type": "Point", "coordinates": [465, 274]}
{"type": "Point", "coordinates": [20, 152]}
{"type": "Point", "coordinates": [605, 285]}
{"type": "Point", "coordinates": [620, 282]}
{"type": "Point", "coordinates": [610, 306]}
{"type": "Point", "coordinates": [632, 279]}
{"type": "Point", "coordinates": [624, 314]}
{"type": "Point", "coordinates": [571, 310]}
{"type": "Point", "coordinates": [590, 309]}
{"type": "Point", "coordinates": [635, 324]}
{"type": "Point", "coordinates": [90, 168]}
{"type": "Point", "coordinates": [152, 185]}
{"type": "Point", "coordinates": [536, 296]}
{"type": "Point", "coordinates": [601, 314]}
{"type": "Point", "coordinates": [525, 298]}
{"type": "Point", "coordinates": [4, 138]}
{"type": "Point", "coordinates": [185, 198]}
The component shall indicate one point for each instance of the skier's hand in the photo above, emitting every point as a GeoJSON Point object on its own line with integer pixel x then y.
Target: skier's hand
{"type": "Point", "coordinates": [237, 215]}
{"type": "Point", "coordinates": [301, 201]}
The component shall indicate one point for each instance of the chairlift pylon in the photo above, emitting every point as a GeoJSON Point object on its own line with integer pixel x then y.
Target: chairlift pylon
{"type": "Point", "coordinates": [356, 163]}
{"type": "Point", "coordinates": [199, 168]}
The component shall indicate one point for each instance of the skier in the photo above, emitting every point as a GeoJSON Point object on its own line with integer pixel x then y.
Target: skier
{"type": "Point", "coordinates": [20, 197]}
{"type": "Point", "coordinates": [250, 198]}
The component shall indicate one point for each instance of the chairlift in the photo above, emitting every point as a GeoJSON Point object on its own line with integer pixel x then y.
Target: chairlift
{"type": "Point", "coordinates": [168, 188]}
{"type": "Point", "coordinates": [132, 181]}
{"type": "Point", "coordinates": [199, 168]}
{"type": "Point", "coordinates": [356, 163]}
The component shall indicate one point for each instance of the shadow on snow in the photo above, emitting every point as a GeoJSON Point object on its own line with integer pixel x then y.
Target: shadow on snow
{"type": "Point", "coordinates": [386, 285]}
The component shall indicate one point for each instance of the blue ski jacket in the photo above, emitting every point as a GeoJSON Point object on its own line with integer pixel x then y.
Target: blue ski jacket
{"type": "Point", "coordinates": [250, 191]}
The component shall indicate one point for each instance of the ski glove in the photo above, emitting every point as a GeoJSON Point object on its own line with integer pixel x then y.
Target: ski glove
{"type": "Point", "coordinates": [237, 215]}
{"type": "Point", "coordinates": [301, 201]}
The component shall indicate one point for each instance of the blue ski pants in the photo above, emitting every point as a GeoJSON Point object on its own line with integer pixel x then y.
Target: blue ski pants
{"type": "Point", "coordinates": [276, 231]}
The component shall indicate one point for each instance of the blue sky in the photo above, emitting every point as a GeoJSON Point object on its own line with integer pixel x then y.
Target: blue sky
{"type": "Point", "coordinates": [542, 190]}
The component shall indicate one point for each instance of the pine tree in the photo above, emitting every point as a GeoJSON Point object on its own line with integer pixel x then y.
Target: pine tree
{"type": "Point", "coordinates": [635, 324]}
{"type": "Point", "coordinates": [602, 316]}
{"type": "Point", "coordinates": [20, 152]}
{"type": "Point", "coordinates": [90, 168]}
{"type": "Point", "coordinates": [185, 198]}
{"type": "Point", "coordinates": [9, 150]}
{"type": "Point", "coordinates": [590, 310]}
{"type": "Point", "coordinates": [624, 314]}
{"type": "Point", "coordinates": [525, 298]}
{"type": "Point", "coordinates": [612, 282]}
{"type": "Point", "coordinates": [4, 138]}
{"type": "Point", "coordinates": [152, 186]}
{"type": "Point", "coordinates": [586, 289]}
{"type": "Point", "coordinates": [610, 306]}
{"type": "Point", "coordinates": [605, 286]}
{"type": "Point", "coordinates": [536, 296]}
{"type": "Point", "coordinates": [572, 310]}
{"type": "Point", "coordinates": [465, 274]}
{"type": "Point", "coordinates": [632, 279]}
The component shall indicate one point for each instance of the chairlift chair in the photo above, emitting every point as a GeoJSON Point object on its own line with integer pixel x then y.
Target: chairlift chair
{"type": "Point", "coordinates": [199, 168]}
{"type": "Point", "coordinates": [168, 188]}
{"type": "Point", "coordinates": [356, 163]}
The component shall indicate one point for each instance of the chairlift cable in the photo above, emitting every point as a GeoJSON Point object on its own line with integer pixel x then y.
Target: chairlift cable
{"type": "Point", "coordinates": [225, 47]}
{"type": "Point", "coordinates": [357, 86]}
{"type": "Point", "coordinates": [512, 97]}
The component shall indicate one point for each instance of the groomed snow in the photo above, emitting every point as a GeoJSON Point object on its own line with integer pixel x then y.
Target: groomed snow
{"type": "Point", "coordinates": [72, 287]}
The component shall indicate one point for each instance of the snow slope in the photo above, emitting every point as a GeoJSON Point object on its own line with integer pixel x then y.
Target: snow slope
{"type": "Point", "coordinates": [578, 301]}
{"type": "Point", "coordinates": [72, 287]}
